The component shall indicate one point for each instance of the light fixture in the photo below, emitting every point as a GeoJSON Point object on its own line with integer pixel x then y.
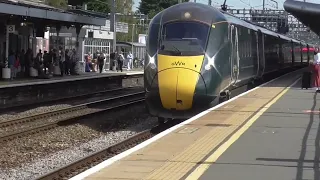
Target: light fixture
{"type": "Point", "coordinates": [187, 15]}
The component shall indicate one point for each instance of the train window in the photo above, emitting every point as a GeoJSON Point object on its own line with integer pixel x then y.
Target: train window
{"type": "Point", "coordinates": [218, 36]}
{"type": "Point", "coordinates": [153, 36]}
{"type": "Point", "coordinates": [244, 49]}
{"type": "Point", "coordinates": [186, 36]}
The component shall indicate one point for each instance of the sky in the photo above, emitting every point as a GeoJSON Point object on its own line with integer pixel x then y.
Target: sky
{"type": "Point", "coordinates": [237, 4]}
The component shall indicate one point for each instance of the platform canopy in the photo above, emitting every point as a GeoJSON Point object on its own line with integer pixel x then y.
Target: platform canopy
{"type": "Point", "coordinates": [40, 11]}
{"type": "Point", "coordinates": [306, 12]}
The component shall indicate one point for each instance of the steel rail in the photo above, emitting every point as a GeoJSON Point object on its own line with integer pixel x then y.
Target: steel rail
{"type": "Point", "coordinates": [75, 112]}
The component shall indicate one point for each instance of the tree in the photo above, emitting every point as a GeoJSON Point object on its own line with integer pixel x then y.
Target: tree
{"type": "Point", "coordinates": [152, 7]}
{"type": "Point", "coordinates": [77, 2]}
{"type": "Point", "coordinates": [97, 6]}
{"type": "Point", "coordinates": [146, 6]}
{"type": "Point", "coordinates": [57, 3]}
{"type": "Point", "coordinates": [125, 7]}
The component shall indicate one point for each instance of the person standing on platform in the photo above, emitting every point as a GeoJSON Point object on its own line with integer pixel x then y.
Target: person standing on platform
{"type": "Point", "coordinates": [130, 59]}
{"type": "Point", "coordinates": [22, 61]}
{"type": "Point", "coordinates": [16, 64]}
{"type": "Point", "coordinates": [120, 60]}
{"type": "Point", "coordinates": [113, 61]}
{"type": "Point", "coordinates": [28, 60]}
{"type": "Point", "coordinates": [316, 69]}
{"type": "Point", "coordinates": [11, 61]}
{"type": "Point", "coordinates": [39, 56]}
{"type": "Point", "coordinates": [61, 61]}
{"type": "Point", "coordinates": [46, 60]}
{"type": "Point", "coordinates": [100, 62]}
{"type": "Point", "coordinates": [74, 61]}
{"type": "Point", "coordinates": [67, 62]}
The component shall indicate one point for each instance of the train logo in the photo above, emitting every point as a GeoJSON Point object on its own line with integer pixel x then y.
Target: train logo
{"type": "Point", "coordinates": [178, 63]}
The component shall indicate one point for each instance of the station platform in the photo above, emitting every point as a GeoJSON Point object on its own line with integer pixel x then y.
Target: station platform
{"type": "Point", "coordinates": [269, 132]}
{"type": "Point", "coordinates": [55, 79]}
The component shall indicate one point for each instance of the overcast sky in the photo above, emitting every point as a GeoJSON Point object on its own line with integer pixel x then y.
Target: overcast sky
{"type": "Point", "coordinates": [240, 3]}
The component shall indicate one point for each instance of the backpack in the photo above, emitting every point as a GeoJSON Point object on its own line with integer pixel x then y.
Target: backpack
{"type": "Point", "coordinates": [120, 57]}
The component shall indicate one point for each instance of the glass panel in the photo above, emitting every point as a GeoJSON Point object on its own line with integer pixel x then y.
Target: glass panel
{"type": "Point", "coordinates": [184, 37]}
{"type": "Point", "coordinates": [153, 36]}
{"type": "Point", "coordinates": [218, 35]}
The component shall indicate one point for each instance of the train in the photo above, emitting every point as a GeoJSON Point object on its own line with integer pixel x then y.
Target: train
{"type": "Point", "coordinates": [196, 55]}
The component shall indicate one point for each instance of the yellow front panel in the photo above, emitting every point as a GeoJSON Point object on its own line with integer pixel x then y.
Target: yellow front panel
{"type": "Point", "coordinates": [167, 87]}
{"type": "Point", "coordinates": [177, 78]}
{"type": "Point", "coordinates": [187, 81]}
{"type": "Point", "coordinates": [190, 62]}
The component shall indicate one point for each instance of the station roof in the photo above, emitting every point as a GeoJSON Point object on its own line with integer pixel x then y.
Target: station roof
{"type": "Point", "coordinates": [42, 11]}
{"type": "Point", "coordinates": [129, 44]}
{"type": "Point", "coordinates": [307, 13]}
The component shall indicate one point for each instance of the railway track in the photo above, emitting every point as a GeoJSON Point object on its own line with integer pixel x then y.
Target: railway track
{"type": "Point", "coordinates": [85, 163]}
{"type": "Point", "coordinates": [50, 120]}
{"type": "Point", "coordinates": [52, 101]}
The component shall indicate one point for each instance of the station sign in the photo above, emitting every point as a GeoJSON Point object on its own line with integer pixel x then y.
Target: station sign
{"type": "Point", "coordinates": [11, 28]}
{"type": "Point", "coordinates": [121, 27]}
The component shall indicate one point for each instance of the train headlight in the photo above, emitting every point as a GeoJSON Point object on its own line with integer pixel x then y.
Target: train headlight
{"type": "Point", "coordinates": [152, 63]}
{"type": "Point", "coordinates": [207, 67]}
{"type": "Point", "coordinates": [210, 63]}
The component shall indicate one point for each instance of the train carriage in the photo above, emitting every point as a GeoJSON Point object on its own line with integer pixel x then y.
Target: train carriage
{"type": "Point", "coordinates": [197, 55]}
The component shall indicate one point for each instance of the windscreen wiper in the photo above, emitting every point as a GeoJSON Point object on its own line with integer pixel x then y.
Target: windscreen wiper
{"type": "Point", "coordinates": [177, 50]}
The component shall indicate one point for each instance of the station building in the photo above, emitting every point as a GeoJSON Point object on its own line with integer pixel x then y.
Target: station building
{"type": "Point", "coordinates": [91, 39]}
{"type": "Point", "coordinates": [25, 25]}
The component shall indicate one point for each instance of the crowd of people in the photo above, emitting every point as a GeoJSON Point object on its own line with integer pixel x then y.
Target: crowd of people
{"type": "Point", "coordinates": [21, 62]}
{"type": "Point", "coordinates": [96, 61]}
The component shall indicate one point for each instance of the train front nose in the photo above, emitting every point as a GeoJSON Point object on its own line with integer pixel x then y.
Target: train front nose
{"type": "Point", "coordinates": [177, 88]}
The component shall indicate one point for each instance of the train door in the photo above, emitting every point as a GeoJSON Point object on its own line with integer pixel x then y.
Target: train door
{"type": "Point", "coordinates": [258, 52]}
{"type": "Point", "coordinates": [261, 57]}
{"type": "Point", "coordinates": [280, 53]}
{"type": "Point", "coordinates": [292, 54]}
{"type": "Point", "coordinates": [234, 54]}
{"type": "Point", "coordinates": [308, 53]}
{"type": "Point", "coordinates": [301, 55]}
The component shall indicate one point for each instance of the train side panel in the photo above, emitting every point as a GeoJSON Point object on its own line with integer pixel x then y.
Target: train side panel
{"type": "Point", "coordinates": [297, 53]}
{"type": "Point", "coordinates": [286, 53]}
{"type": "Point", "coordinates": [247, 54]}
{"type": "Point", "coordinates": [271, 54]}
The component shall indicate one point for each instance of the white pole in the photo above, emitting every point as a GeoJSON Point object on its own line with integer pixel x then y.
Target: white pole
{"type": "Point", "coordinates": [132, 36]}
{"type": "Point", "coordinates": [7, 48]}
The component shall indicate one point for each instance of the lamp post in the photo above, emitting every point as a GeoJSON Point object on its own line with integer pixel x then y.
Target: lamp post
{"type": "Point", "coordinates": [132, 37]}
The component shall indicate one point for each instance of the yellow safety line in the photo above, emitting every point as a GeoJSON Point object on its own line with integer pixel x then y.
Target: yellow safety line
{"type": "Point", "coordinates": [200, 170]}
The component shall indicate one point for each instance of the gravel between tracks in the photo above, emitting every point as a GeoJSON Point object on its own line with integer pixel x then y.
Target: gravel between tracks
{"type": "Point", "coordinates": [30, 157]}
{"type": "Point", "coordinates": [7, 130]}
{"type": "Point", "coordinates": [54, 107]}
{"type": "Point", "coordinates": [31, 112]}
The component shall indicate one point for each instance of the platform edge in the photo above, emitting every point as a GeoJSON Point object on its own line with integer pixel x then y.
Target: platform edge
{"type": "Point", "coordinates": [202, 168]}
{"type": "Point", "coordinates": [110, 161]}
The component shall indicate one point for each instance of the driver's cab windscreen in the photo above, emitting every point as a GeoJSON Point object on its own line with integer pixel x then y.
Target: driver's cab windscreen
{"type": "Point", "coordinates": [184, 37]}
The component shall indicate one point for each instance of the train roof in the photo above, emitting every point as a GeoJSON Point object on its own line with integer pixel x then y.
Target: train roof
{"type": "Point", "coordinates": [210, 12]}
{"type": "Point", "coordinates": [234, 19]}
